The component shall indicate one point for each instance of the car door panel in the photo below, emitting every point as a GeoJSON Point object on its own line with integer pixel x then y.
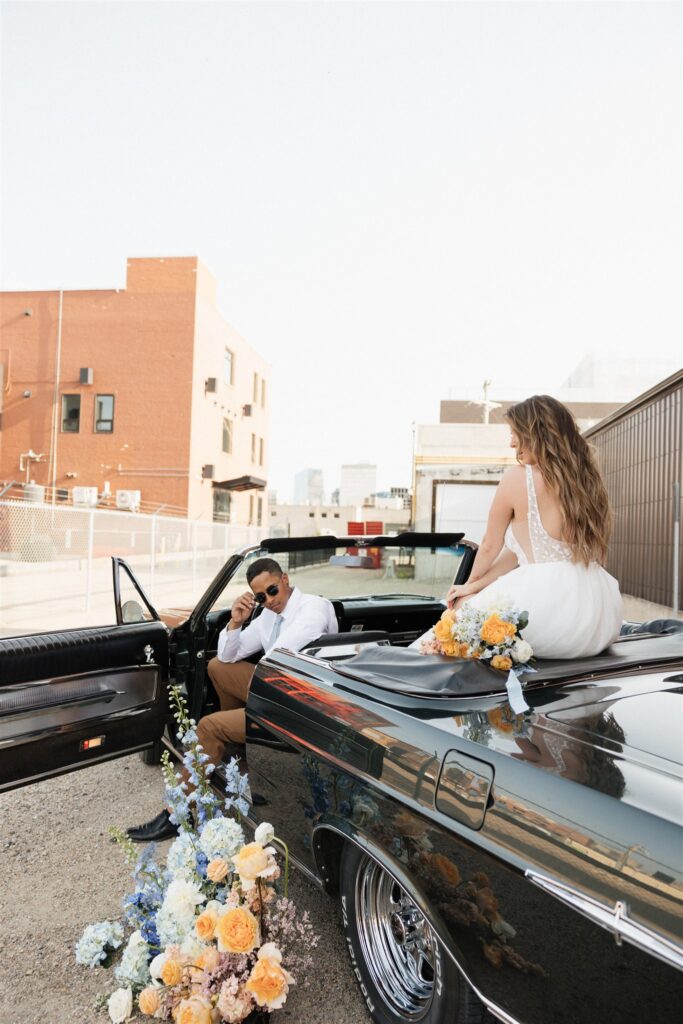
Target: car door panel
{"type": "Point", "coordinates": [73, 698]}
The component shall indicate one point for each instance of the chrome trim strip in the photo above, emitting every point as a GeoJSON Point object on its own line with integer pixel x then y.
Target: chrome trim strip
{"type": "Point", "coordinates": [614, 919]}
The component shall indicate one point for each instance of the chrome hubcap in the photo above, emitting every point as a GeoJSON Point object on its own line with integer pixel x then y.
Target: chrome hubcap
{"type": "Point", "coordinates": [398, 944]}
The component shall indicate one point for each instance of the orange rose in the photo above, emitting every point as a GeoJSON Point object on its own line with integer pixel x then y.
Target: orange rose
{"type": "Point", "coordinates": [217, 870]}
{"type": "Point", "coordinates": [501, 661]}
{"type": "Point", "coordinates": [194, 1011]}
{"type": "Point", "coordinates": [269, 982]}
{"type": "Point", "coordinates": [499, 721]}
{"type": "Point", "coordinates": [205, 925]}
{"type": "Point", "coordinates": [446, 868]}
{"type": "Point", "coordinates": [450, 647]}
{"type": "Point", "coordinates": [443, 630]}
{"type": "Point", "coordinates": [172, 972]}
{"type": "Point", "coordinates": [148, 1000]}
{"type": "Point", "coordinates": [495, 630]}
{"type": "Point", "coordinates": [237, 931]}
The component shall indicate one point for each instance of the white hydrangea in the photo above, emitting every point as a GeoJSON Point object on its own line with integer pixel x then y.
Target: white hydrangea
{"type": "Point", "coordinates": [133, 969]}
{"type": "Point", "coordinates": [221, 837]}
{"type": "Point", "coordinates": [182, 858]}
{"type": "Point", "coordinates": [175, 918]}
{"type": "Point", "coordinates": [91, 948]}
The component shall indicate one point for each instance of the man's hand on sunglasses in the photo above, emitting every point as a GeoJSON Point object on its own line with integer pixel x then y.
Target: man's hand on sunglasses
{"type": "Point", "coordinates": [241, 610]}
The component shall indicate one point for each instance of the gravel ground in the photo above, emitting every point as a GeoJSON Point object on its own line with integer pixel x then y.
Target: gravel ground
{"type": "Point", "coordinates": [59, 871]}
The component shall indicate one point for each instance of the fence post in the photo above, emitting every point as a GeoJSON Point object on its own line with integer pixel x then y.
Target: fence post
{"type": "Point", "coordinates": [88, 571]}
{"type": "Point", "coordinates": [675, 604]}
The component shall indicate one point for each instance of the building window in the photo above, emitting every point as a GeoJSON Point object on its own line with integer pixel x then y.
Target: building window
{"type": "Point", "coordinates": [263, 393]}
{"type": "Point", "coordinates": [71, 414]}
{"type": "Point", "coordinates": [251, 510]}
{"type": "Point", "coordinates": [228, 367]}
{"type": "Point", "coordinates": [104, 414]}
{"type": "Point", "coordinates": [260, 451]}
{"type": "Point", "coordinates": [221, 505]}
{"type": "Point", "coordinates": [256, 387]}
{"type": "Point", "coordinates": [259, 511]}
{"type": "Point", "coordinates": [253, 447]}
{"type": "Point", "coordinates": [227, 436]}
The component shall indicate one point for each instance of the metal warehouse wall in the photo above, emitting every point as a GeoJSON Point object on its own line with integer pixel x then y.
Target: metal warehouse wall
{"type": "Point", "coordinates": [640, 448]}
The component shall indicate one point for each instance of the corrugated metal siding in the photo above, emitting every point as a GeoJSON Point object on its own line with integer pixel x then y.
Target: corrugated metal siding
{"type": "Point", "coordinates": [641, 454]}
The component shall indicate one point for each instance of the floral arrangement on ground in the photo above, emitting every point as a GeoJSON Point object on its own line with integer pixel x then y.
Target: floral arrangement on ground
{"type": "Point", "coordinates": [492, 633]}
{"type": "Point", "coordinates": [207, 937]}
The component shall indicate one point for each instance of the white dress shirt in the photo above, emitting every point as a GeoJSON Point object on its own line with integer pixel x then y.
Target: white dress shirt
{"type": "Point", "coordinates": [305, 618]}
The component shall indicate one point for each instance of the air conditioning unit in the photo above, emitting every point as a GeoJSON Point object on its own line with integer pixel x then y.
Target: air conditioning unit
{"type": "Point", "coordinates": [207, 472]}
{"type": "Point", "coordinates": [84, 496]}
{"type": "Point", "coordinates": [128, 499]}
{"type": "Point", "coordinates": [211, 385]}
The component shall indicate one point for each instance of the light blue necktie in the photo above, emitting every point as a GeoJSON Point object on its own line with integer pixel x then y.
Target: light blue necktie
{"type": "Point", "coordinates": [277, 626]}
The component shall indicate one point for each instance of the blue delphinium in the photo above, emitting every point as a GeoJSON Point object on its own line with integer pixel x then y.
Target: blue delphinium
{"type": "Point", "coordinates": [97, 941]}
{"type": "Point", "coordinates": [236, 786]}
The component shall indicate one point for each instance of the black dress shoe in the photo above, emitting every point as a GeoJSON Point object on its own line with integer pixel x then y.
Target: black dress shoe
{"type": "Point", "coordinates": [155, 830]}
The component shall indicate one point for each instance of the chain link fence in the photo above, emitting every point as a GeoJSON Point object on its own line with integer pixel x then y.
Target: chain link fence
{"type": "Point", "coordinates": [55, 563]}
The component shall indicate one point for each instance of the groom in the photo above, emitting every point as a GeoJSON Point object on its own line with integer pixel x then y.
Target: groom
{"type": "Point", "coordinates": [289, 619]}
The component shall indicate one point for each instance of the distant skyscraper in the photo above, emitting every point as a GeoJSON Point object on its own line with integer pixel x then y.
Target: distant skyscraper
{"type": "Point", "coordinates": [358, 482]}
{"type": "Point", "coordinates": [308, 487]}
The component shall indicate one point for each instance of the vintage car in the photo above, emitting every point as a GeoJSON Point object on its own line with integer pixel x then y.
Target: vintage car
{"type": "Point", "coordinates": [489, 865]}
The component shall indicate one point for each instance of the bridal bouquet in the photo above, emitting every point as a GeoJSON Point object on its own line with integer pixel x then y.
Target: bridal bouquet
{"type": "Point", "coordinates": [210, 939]}
{"type": "Point", "coordinates": [489, 634]}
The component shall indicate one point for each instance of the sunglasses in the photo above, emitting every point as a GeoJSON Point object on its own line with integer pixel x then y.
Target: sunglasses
{"type": "Point", "coordinates": [271, 591]}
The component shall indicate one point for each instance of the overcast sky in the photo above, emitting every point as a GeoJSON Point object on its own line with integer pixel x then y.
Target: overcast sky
{"type": "Point", "coordinates": [397, 199]}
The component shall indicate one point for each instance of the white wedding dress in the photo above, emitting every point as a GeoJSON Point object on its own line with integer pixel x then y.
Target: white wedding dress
{"type": "Point", "coordinates": [575, 610]}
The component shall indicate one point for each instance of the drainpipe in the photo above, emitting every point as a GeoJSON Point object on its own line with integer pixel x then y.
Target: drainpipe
{"type": "Point", "coordinates": [55, 415]}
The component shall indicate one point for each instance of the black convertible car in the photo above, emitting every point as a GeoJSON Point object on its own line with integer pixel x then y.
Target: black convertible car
{"type": "Point", "coordinates": [489, 866]}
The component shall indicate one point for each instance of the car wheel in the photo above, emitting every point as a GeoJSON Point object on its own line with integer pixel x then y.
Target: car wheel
{"type": "Point", "coordinates": [404, 975]}
{"type": "Point", "coordinates": [153, 755]}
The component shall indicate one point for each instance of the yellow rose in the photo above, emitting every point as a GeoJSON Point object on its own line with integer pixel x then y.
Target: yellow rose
{"type": "Point", "coordinates": [501, 661]}
{"type": "Point", "coordinates": [268, 983]}
{"type": "Point", "coordinates": [193, 1011]}
{"type": "Point", "coordinates": [217, 870]}
{"type": "Point", "coordinates": [172, 972]}
{"type": "Point", "coordinates": [499, 720]}
{"type": "Point", "coordinates": [205, 925]}
{"type": "Point", "coordinates": [237, 931]}
{"type": "Point", "coordinates": [495, 630]}
{"type": "Point", "coordinates": [148, 1000]}
{"type": "Point", "coordinates": [207, 959]}
{"type": "Point", "coordinates": [251, 860]}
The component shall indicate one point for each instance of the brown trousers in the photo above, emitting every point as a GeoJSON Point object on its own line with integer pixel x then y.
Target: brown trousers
{"type": "Point", "coordinates": [231, 682]}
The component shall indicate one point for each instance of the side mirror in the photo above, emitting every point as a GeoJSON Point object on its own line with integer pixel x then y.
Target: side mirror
{"type": "Point", "coordinates": [131, 611]}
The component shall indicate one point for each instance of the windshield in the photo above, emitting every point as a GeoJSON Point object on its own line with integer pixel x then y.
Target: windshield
{"type": "Point", "coordinates": [347, 572]}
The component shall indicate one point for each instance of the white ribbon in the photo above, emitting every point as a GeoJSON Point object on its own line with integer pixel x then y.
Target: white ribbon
{"type": "Point", "coordinates": [515, 695]}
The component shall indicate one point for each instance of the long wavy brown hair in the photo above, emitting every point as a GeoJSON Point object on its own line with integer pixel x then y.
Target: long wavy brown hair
{"type": "Point", "coordinates": [548, 433]}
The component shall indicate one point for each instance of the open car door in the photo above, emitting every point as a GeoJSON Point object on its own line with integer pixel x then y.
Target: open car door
{"type": "Point", "coordinates": [72, 698]}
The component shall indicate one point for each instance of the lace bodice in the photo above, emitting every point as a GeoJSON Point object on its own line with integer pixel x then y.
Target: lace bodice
{"type": "Point", "coordinates": [544, 548]}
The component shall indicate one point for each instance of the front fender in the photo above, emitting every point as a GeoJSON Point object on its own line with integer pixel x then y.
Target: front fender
{"type": "Point", "coordinates": [329, 836]}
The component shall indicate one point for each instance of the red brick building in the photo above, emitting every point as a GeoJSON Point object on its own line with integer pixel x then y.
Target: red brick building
{"type": "Point", "coordinates": [144, 389]}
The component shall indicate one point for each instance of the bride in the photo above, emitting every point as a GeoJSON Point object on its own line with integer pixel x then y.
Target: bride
{"type": "Point", "coordinates": [546, 538]}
